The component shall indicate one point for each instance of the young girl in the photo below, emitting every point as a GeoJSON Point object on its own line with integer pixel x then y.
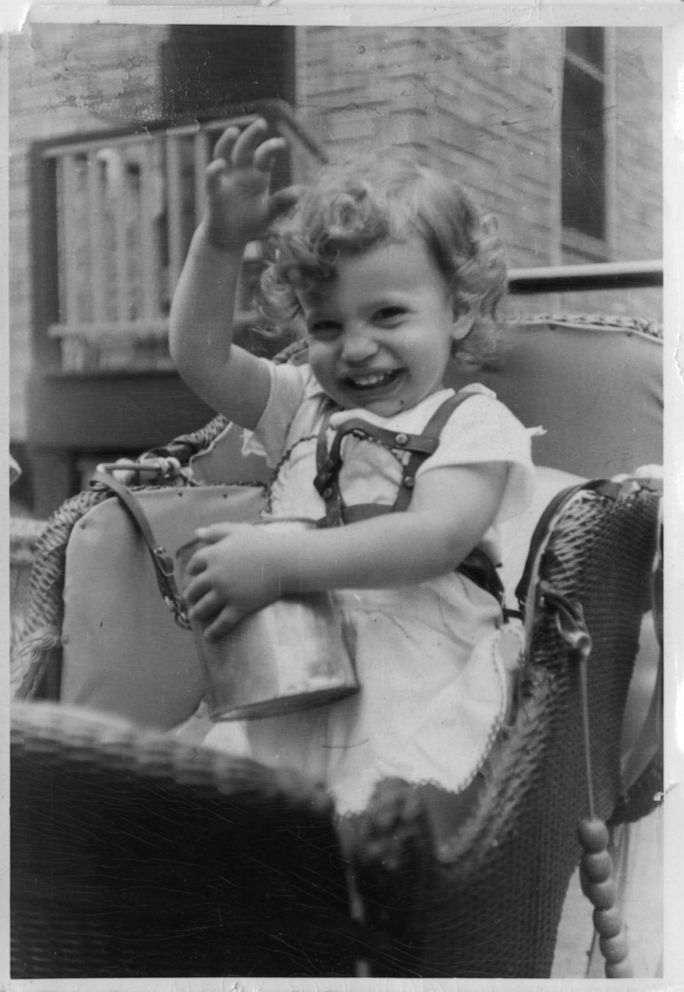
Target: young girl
{"type": "Point", "coordinates": [391, 272]}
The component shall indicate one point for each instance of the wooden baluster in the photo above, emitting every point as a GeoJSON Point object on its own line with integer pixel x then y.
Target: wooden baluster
{"type": "Point", "coordinates": [96, 227]}
{"type": "Point", "coordinates": [202, 157]}
{"type": "Point", "coordinates": [174, 205]}
{"type": "Point", "coordinates": [149, 249]}
{"type": "Point", "coordinates": [121, 207]}
{"type": "Point", "coordinates": [69, 241]}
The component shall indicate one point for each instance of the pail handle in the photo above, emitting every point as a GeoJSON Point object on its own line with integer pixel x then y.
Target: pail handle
{"type": "Point", "coordinates": [161, 559]}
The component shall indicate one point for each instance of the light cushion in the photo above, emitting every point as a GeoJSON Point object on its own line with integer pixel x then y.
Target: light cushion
{"type": "Point", "coordinates": [596, 390]}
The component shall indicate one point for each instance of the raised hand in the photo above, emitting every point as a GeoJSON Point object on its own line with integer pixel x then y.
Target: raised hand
{"type": "Point", "coordinates": [240, 206]}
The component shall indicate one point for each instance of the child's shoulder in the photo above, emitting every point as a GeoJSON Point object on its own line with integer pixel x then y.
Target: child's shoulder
{"type": "Point", "coordinates": [484, 425]}
{"type": "Point", "coordinates": [478, 400]}
{"type": "Point", "coordinates": [296, 397]}
{"type": "Point", "coordinates": [445, 405]}
{"type": "Point", "coordinates": [293, 376]}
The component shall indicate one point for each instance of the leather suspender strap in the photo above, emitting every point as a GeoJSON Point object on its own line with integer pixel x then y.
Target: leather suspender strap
{"type": "Point", "coordinates": [477, 566]}
{"type": "Point", "coordinates": [433, 430]}
{"type": "Point", "coordinates": [420, 446]}
{"type": "Point", "coordinates": [329, 463]}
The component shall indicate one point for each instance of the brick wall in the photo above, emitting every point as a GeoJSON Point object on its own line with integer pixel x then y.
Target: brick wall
{"type": "Point", "coordinates": [638, 151]}
{"type": "Point", "coordinates": [487, 102]}
{"type": "Point", "coordinates": [481, 101]}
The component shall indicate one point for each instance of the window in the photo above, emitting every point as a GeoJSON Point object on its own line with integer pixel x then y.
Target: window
{"type": "Point", "coordinates": [583, 138]}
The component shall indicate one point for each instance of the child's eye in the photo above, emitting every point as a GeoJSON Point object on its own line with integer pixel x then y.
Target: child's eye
{"type": "Point", "coordinates": [388, 315]}
{"type": "Point", "coordinates": [324, 328]}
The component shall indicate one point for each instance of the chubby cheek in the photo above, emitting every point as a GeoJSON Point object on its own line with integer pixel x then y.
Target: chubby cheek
{"type": "Point", "coordinates": [326, 376]}
{"type": "Point", "coordinates": [322, 363]}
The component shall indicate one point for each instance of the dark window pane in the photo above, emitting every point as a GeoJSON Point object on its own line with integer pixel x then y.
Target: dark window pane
{"type": "Point", "coordinates": [583, 153]}
{"type": "Point", "coordinates": [587, 43]}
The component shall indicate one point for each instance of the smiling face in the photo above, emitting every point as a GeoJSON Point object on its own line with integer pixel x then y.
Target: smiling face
{"type": "Point", "coordinates": [380, 334]}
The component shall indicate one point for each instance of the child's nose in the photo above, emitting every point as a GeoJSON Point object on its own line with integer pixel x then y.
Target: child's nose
{"type": "Point", "coordinates": [358, 344]}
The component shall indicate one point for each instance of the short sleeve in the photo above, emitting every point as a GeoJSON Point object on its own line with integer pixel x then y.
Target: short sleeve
{"type": "Point", "coordinates": [480, 431]}
{"type": "Point", "coordinates": [290, 385]}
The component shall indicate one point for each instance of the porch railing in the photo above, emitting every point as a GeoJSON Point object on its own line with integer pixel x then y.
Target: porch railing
{"type": "Point", "coordinates": [126, 206]}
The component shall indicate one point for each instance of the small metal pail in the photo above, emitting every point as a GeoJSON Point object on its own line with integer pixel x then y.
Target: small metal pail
{"type": "Point", "coordinates": [289, 656]}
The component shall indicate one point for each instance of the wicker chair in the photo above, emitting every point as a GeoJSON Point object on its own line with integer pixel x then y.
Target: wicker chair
{"type": "Point", "coordinates": [489, 903]}
{"type": "Point", "coordinates": [135, 855]}
{"type": "Point", "coordinates": [481, 900]}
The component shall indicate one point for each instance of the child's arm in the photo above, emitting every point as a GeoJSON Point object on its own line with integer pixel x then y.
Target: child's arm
{"type": "Point", "coordinates": [244, 568]}
{"type": "Point", "coordinates": [239, 209]}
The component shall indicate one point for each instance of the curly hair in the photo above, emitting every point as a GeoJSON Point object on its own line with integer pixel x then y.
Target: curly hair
{"type": "Point", "coordinates": [364, 204]}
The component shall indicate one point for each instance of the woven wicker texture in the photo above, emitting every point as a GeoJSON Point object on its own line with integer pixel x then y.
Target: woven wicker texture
{"type": "Point", "coordinates": [489, 906]}
{"type": "Point", "coordinates": [134, 854]}
{"type": "Point", "coordinates": [36, 661]}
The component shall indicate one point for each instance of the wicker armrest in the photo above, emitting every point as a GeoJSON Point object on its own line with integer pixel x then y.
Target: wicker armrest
{"type": "Point", "coordinates": [136, 854]}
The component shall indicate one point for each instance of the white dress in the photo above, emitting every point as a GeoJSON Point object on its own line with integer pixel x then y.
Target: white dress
{"type": "Point", "coordinates": [433, 681]}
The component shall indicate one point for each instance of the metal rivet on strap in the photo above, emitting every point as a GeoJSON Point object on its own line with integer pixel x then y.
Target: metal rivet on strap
{"type": "Point", "coordinates": [401, 439]}
{"type": "Point", "coordinates": [327, 493]}
{"type": "Point", "coordinates": [409, 482]}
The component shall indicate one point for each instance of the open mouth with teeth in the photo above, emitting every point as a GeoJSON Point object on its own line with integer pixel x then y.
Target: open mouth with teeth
{"type": "Point", "coordinates": [372, 380]}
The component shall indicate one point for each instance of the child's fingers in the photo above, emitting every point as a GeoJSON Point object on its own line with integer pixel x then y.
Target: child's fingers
{"type": "Point", "coordinates": [223, 623]}
{"type": "Point", "coordinates": [205, 608]}
{"type": "Point", "coordinates": [198, 584]}
{"type": "Point", "coordinates": [224, 146]}
{"type": "Point", "coordinates": [265, 154]}
{"type": "Point", "coordinates": [213, 175]}
{"type": "Point", "coordinates": [215, 532]}
{"type": "Point", "coordinates": [242, 155]}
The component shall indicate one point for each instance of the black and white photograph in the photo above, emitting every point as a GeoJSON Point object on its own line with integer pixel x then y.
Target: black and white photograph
{"type": "Point", "coordinates": [295, 698]}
